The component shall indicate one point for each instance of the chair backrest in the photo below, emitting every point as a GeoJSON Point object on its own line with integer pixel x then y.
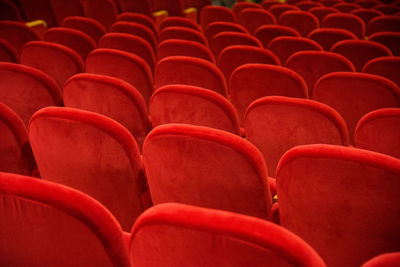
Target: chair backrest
{"type": "Point", "coordinates": [279, 9]}
{"type": "Point", "coordinates": [189, 71]}
{"type": "Point", "coordinates": [136, 29]}
{"type": "Point", "coordinates": [25, 89]}
{"type": "Point", "coordinates": [172, 234]}
{"type": "Point", "coordinates": [387, 9]}
{"type": "Point", "coordinates": [173, 7]}
{"type": "Point", "coordinates": [267, 33]}
{"type": "Point", "coordinates": [139, 18]}
{"type": "Point", "coordinates": [327, 37]}
{"type": "Point", "coordinates": [179, 22]}
{"type": "Point", "coordinates": [123, 65]}
{"type": "Point", "coordinates": [179, 47]}
{"type": "Point", "coordinates": [89, 26]}
{"type": "Point", "coordinates": [349, 197]}
{"type": "Point", "coordinates": [17, 34]}
{"type": "Point", "coordinates": [92, 153]}
{"type": "Point", "coordinates": [312, 65]}
{"type": "Point", "coordinates": [360, 52]}
{"type": "Point", "coordinates": [367, 3]}
{"type": "Point", "coordinates": [7, 52]}
{"type": "Point", "coordinates": [143, 7]}
{"type": "Point", "coordinates": [225, 39]}
{"type": "Point", "coordinates": [383, 24]}
{"type": "Point", "coordinates": [206, 167]}
{"type": "Point", "coordinates": [104, 11]}
{"type": "Point", "coordinates": [346, 7]}
{"type": "Point", "coordinates": [63, 9]}
{"type": "Point", "coordinates": [345, 21]}
{"type": "Point", "coordinates": [322, 12]}
{"type": "Point", "coordinates": [354, 94]}
{"type": "Point", "coordinates": [379, 131]}
{"type": "Point", "coordinates": [388, 67]}
{"type": "Point", "coordinates": [252, 18]}
{"type": "Point", "coordinates": [109, 96]}
{"type": "Point", "coordinates": [185, 33]}
{"type": "Point", "coordinates": [198, 4]}
{"type": "Point", "coordinates": [366, 14]}
{"type": "Point", "coordinates": [39, 9]}
{"type": "Point", "coordinates": [264, 80]}
{"type": "Point", "coordinates": [389, 39]}
{"type": "Point", "coordinates": [302, 21]}
{"type": "Point", "coordinates": [9, 11]}
{"type": "Point", "coordinates": [274, 124]}
{"type": "Point", "coordinates": [215, 13]}
{"type": "Point", "coordinates": [307, 5]}
{"type": "Point", "coordinates": [240, 6]}
{"type": "Point", "coordinates": [386, 259]}
{"type": "Point", "coordinates": [216, 27]}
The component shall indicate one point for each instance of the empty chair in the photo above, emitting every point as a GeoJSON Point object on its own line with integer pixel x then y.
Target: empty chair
{"type": "Point", "coordinates": [104, 11]}
{"type": "Point", "coordinates": [198, 4]}
{"type": "Point", "coordinates": [384, 24]}
{"type": "Point", "coordinates": [284, 46]}
{"type": "Point", "coordinates": [366, 14]}
{"type": "Point", "coordinates": [252, 18]}
{"type": "Point", "coordinates": [327, 37]}
{"type": "Point", "coordinates": [123, 65]}
{"type": "Point", "coordinates": [17, 34]}
{"type": "Point", "coordinates": [348, 22]}
{"type": "Point", "coordinates": [267, 33]}
{"type": "Point", "coordinates": [284, 116]}
{"type": "Point", "coordinates": [264, 80]}
{"type": "Point", "coordinates": [139, 18]}
{"type": "Point", "coordinates": [346, 7]}
{"type": "Point", "coordinates": [355, 94]}
{"type": "Point", "coordinates": [387, 9]}
{"type": "Point", "coordinates": [236, 55]}
{"type": "Point", "coordinates": [188, 104]}
{"type": "Point", "coordinates": [389, 39]}
{"type": "Point", "coordinates": [87, 25]}
{"type": "Point", "coordinates": [312, 65]}
{"type": "Point", "coordinates": [321, 12]}
{"type": "Point", "coordinates": [319, 182]}
{"type": "Point", "coordinates": [9, 11]}
{"type": "Point", "coordinates": [80, 42]}
{"type": "Point", "coordinates": [379, 131]}
{"type": "Point", "coordinates": [63, 9]}
{"type": "Point", "coordinates": [57, 213]}
{"type": "Point", "coordinates": [109, 96]}
{"type": "Point", "coordinates": [189, 71]}
{"type": "Point", "coordinates": [58, 61]}
{"type": "Point", "coordinates": [92, 153]}
{"type": "Point", "coordinates": [206, 167]}
{"type": "Point", "coordinates": [129, 43]}
{"type": "Point", "coordinates": [388, 67]}
{"type": "Point", "coordinates": [307, 5]}
{"type": "Point", "coordinates": [215, 13]}
{"type": "Point", "coordinates": [136, 29]}
{"type": "Point", "coordinates": [330, 3]}
{"type": "Point", "coordinates": [216, 27]}
{"type": "Point", "coordinates": [173, 7]}
{"type": "Point", "coordinates": [225, 39]}
{"type": "Point", "coordinates": [178, 47]}
{"type": "Point", "coordinates": [164, 236]}
{"type": "Point", "coordinates": [267, 4]}
{"type": "Point", "coordinates": [384, 260]}
{"type": "Point", "coordinates": [179, 22]}
{"type": "Point", "coordinates": [183, 33]}
{"type": "Point", "coordinates": [360, 52]}
{"type": "Point", "coordinates": [277, 10]}
{"type": "Point", "coordinates": [141, 7]}
{"type": "Point", "coordinates": [302, 21]}
{"type": "Point", "coordinates": [7, 52]}
{"type": "Point", "coordinates": [39, 9]}
{"type": "Point", "coordinates": [240, 6]}
{"type": "Point", "coordinates": [367, 3]}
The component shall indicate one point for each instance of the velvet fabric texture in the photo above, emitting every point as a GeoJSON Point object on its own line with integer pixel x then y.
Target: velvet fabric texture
{"type": "Point", "coordinates": [140, 18]}
{"type": "Point", "coordinates": [366, 4]}
{"type": "Point", "coordinates": [17, 34]}
{"type": "Point", "coordinates": [185, 33]}
{"type": "Point", "coordinates": [341, 198]}
{"type": "Point", "coordinates": [25, 89]}
{"type": "Point", "coordinates": [216, 27]}
{"type": "Point", "coordinates": [143, 7]}
{"type": "Point", "coordinates": [366, 14]}
{"type": "Point", "coordinates": [388, 67]}
{"type": "Point", "coordinates": [215, 13]}
{"type": "Point", "coordinates": [178, 235]}
{"type": "Point", "coordinates": [198, 4]}
{"type": "Point", "coordinates": [179, 47]}
{"type": "Point", "coordinates": [58, 61]}
{"type": "Point", "coordinates": [9, 11]}
{"type": "Point", "coordinates": [346, 7]}
{"type": "Point", "coordinates": [93, 154]}
{"type": "Point", "coordinates": [136, 29]}
{"type": "Point", "coordinates": [252, 18]}
{"type": "Point", "coordinates": [173, 7]}
{"type": "Point", "coordinates": [279, 9]}
{"type": "Point", "coordinates": [389, 39]}
{"type": "Point", "coordinates": [206, 167]}
{"type": "Point", "coordinates": [264, 80]}
{"type": "Point", "coordinates": [267, 33]}
{"type": "Point", "coordinates": [379, 131]}
{"type": "Point", "coordinates": [109, 96]}
{"type": "Point", "coordinates": [345, 21]}
{"type": "Point", "coordinates": [192, 105]}
{"type": "Point", "coordinates": [274, 124]}
{"type": "Point", "coordinates": [312, 65]}
{"type": "Point", "coordinates": [327, 37]}
{"type": "Point", "coordinates": [224, 39]}
{"type": "Point", "coordinates": [197, 72]}
{"type": "Point", "coordinates": [64, 9]}
{"type": "Point", "coordinates": [46, 224]}
{"type": "Point", "coordinates": [355, 94]}
{"type": "Point", "coordinates": [7, 52]}
{"type": "Point", "coordinates": [39, 9]}
{"type": "Point", "coordinates": [240, 6]}
{"type": "Point", "coordinates": [104, 11]}
{"type": "Point", "coordinates": [387, 9]}
{"type": "Point", "coordinates": [307, 5]}
{"type": "Point", "coordinates": [384, 24]}
{"type": "Point", "coordinates": [87, 25]}
{"type": "Point", "coordinates": [384, 260]}
{"type": "Point", "coordinates": [179, 22]}
{"type": "Point", "coordinates": [122, 65]}
{"type": "Point", "coordinates": [322, 12]}
{"type": "Point", "coordinates": [302, 21]}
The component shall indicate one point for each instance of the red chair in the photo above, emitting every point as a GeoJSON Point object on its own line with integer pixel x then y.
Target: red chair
{"type": "Point", "coordinates": [387, 9]}
{"type": "Point", "coordinates": [344, 194]}
{"type": "Point", "coordinates": [267, 4]}
{"type": "Point", "coordinates": [346, 7]}
{"type": "Point", "coordinates": [384, 260]}
{"type": "Point", "coordinates": [111, 97]}
{"type": "Point", "coordinates": [7, 52]}
{"type": "Point", "coordinates": [389, 39]}
{"type": "Point", "coordinates": [216, 27]}
{"type": "Point", "coordinates": [240, 6]}
{"type": "Point", "coordinates": [383, 24]}
{"type": "Point", "coordinates": [104, 11]}
{"type": "Point", "coordinates": [225, 39]}
{"type": "Point", "coordinates": [39, 9]}
{"type": "Point", "coordinates": [9, 11]}
{"type": "Point", "coordinates": [92, 153]}
{"type": "Point", "coordinates": [63, 9]}
{"type": "Point", "coordinates": [348, 22]}
{"type": "Point", "coordinates": [277, 10]}
{"type": "Point", "coordinates": [215, 13]}
{"type": "Point", "coordinates": [330, 3]}
{"type": "Point", "coordinates": [302, 21]}
{"type": "Point", "coordinates": [67, 225]}
{"type": "Point", "coordinates": [142, 7]}
{"type": "Point", "coordinates": [388, 67]}
{"type": "Point", "coordinates": [252, 18]}
{"type": "Point", "coordinates": [179, 47]}
{"type": "Point", "coordinates": [164, 236]}
{"type": "Point", "coordinates": [267, 33]}
{"type": "Point", "coordinates": [179, 22]}
{"type": "Point", "coordinates": [322, 12]}
{"type": "Point", "coordinates": [17, 34]}
{"type": "Point", "coordinates": [141, 19]}
{"type": "Point", "coordinates": [174, 8]}
{"type": "Point", "coordinates": [136, 29]}
{"type": "Point", "coordinates": [183, 33]}
{"type": "Point", "coordinates": [307, 5]}
{"type": "Point", "coordinates": [366, 14]}
{"type": "Point", "coordinates": [87, 25]}
{"type": "Point", "coordinates": [198, 4]}
{"type": "Point", "coordinates": [367, 4]}
{"type": "Point", "coordinates": [327, 37]}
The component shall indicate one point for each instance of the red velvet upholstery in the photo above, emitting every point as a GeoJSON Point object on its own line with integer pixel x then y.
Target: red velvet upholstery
{"type": "Point", "coordinates": [173, 7]}
{"type": "Point", "coordinates": [387, 9]}
{"type": "Point", "coordinates": [225, 39]}
{"type": "Point", "coordinates": [379, 131]}
{"type": "Point", "coordinates": [330, 3]}
{"type": "Point", "coordinates": [343, 201]}
{"type": "Point", "coordinates": [355, 94]}
{"type": "Point", "coordinates": [104, 11]}
{"type": "Point", "coordinates": [58, 61]}
{"type": "Point", "coordinates": [348, 22]}
{"type": "Point", "coordinates": [240, 6]}
{"type": "Point", "coordinates": [252, 18]}
{"type": "Point", "coordinates": [312, 65]}
{"type": "Point", "coordinates": [384, 24]}
{"type": "Point", "coordinates": [143, 7]}
{"type": "Point", "coordinates": [9, 11]}
{"type": "Point", "coordinates": [216, 27]}
{"type": "Point", "coordinates": [179, 22]}
{"type": "Point", "coordinates": [388, 67]}
{"type": "Point", "coordinates": [139, 18]}
{"type": "Point", "coordinates": [7, 52]}
{"type": "Point", "coordinates": [302, 21]}
{"type": "Point", "coordinates": [179, 47]}
{"type": "Point", "coordinates": [87, 25]}
{"type": "Point", "coordinates": [80, 42]}
{"type": "Point", "coordinates": [198, 4]}
{"type": "Point", "coordinates": [307, 5]}
{"type": "Point", "coordinates": [122, 65]}
{"type": "Point", "coordinates": [267, 33]}
{"type": "Point", "coordinates": [285, 46]}
{"type": "Point", "coordinates": [360, 52]}
{"type": "Point", "coordinates": [38, 9]}
{"type": "Point", "coordinates": [264, 80]}
{"type": "Point", "coordinates": [367, 3]}
{"type": "Point", "coordinates": [389, 39]}
{"type": "Point", "coordinates": [92, 153]}
{"type": "Point", "coordinates": [274, 124]}
{"type": "Point", "coordinates": [63, 9]}
{"type": "Point", "coordinates": [175, 235]}
{"type": "Point", "coordinates": [136, 29]}
{"type": "Point", "coordinates": [327, 37]}
{"type": "Point", "coordinates": [384, 260]}
{"type": "Point", "coordinates": [346, 7]}
{"type": "Point", "coordinates": [206, 167]}
{"type": "Point", "coordinates": [192, 105]}
{"type": "Point", "coordinates": [215, 13]}
{"type": "Point", "coordinates": [109, 96]}
{"type": "Point", "coordinates": [184, 33]}
{"type": "Point", "coordinates": [366, 14]}
{"type": "Point", "coordinates": [322, 12]}
{"type": "Point", "coordinates": [267, 4]}
{"type": "Point", "coordinates": [17, 33]}
{"type": "Point", "coordinates": [46, 224]}
{"type": "Point", "coordinates": [25, 89]}
{"type": "Point", "coordinates": [277, 10]}
{"type": "Point", "coordinates": [189, 71]}
{"type": "Point", "coordinates": [236, 55]}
